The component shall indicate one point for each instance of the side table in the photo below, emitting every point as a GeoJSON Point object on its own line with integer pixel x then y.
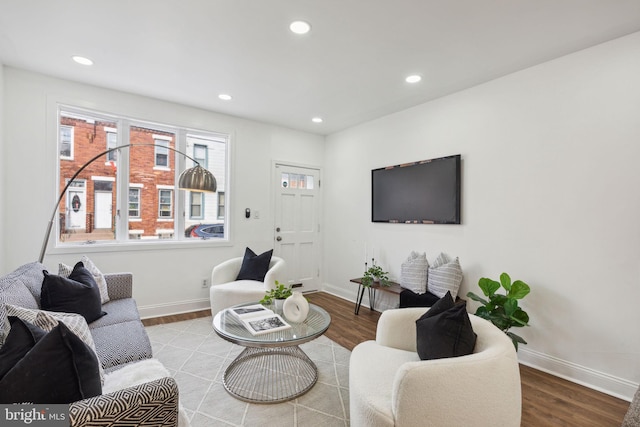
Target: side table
{"type": "Point", "coordinates": [393, 288]}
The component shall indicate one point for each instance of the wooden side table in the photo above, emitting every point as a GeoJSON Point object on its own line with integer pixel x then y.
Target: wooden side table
{"type": "Point", "coordinates": [393, 288]}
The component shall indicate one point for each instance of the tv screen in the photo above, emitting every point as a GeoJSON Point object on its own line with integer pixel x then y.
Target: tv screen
{"type": "Point", "coordinates": [425, 192]}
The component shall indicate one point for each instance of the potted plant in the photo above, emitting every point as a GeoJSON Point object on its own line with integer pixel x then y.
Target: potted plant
{"type": "Point", "coordinates": [278, 294]}
{"type": "Point", "coordinates": [374, 274]}
{"type": "Point", "coordinates": [503, 310]}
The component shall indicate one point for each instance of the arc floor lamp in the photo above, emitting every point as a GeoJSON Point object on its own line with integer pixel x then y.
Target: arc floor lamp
{"type": "Point", "coordinates": [195, 178]}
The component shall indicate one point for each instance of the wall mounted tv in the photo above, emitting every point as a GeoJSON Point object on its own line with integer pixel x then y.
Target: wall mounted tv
{"type": "Point", "coordinates": [425, 192]}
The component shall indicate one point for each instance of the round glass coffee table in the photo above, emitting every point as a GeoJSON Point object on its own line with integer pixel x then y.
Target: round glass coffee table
{"type": "Point", "coordinates": [271, 368]}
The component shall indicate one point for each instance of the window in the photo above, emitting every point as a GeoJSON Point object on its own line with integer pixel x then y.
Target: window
{"type": "Point", "coordinates": [162, 153]}
{"type": "Point", "coordinates": [134, 203]}
{"type": "Point", "coordinates": [195, 206]}
{"type": "Point", "coordinates": [145, 204]}
{"type": "Point", "coordinates": [165, 204]}
{"type": "Point", "coordinates": [66, 142]}
{"type": "Point", "coordinates": [112, 141]}
{"type": "Point", "coordinates": [221, 205]}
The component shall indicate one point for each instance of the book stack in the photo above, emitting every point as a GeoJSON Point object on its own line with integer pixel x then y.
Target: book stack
{"type": "Point", "coordinates": [258, 319]}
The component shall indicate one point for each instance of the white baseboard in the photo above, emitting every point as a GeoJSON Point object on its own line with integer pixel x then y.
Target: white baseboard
{"type": "Point", "coordinates": [168, 309]}
{"type": "Point", "coordinates": [605, 383]}
{"type": "Point", "coordinates": [587, 377]}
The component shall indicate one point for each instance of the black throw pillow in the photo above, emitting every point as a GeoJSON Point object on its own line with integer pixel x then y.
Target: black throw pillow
{"type": "Point", "coordinates": [254, 267]}
{"type": "Point", "coordinates": [77, 294]}
{"type": "Point", "coordinates": [21, 338]}
{"type": "Point", "coordinates": [445, 331]}
{"type": "Point", "coordinates": [60, 368]}
{"type": "Point", "coordinates": [408, 298]}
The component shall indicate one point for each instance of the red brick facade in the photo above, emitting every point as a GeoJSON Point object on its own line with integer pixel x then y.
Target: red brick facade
{"type": "Point", "coordinates": [89, 138]}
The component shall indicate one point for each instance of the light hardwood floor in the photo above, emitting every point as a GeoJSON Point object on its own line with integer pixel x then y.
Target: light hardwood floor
{"type": "Point", "coordinates": [546, 400]}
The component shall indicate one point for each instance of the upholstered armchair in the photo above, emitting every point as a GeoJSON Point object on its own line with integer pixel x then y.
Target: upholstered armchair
{"type": "Point", "coordinates": [226, 291]}
{"type": "Point", "coordinates": [390, 386]}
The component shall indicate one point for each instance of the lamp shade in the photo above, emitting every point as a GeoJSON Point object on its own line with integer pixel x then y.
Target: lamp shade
{"type": "Point", "coordinates": [197, 178]}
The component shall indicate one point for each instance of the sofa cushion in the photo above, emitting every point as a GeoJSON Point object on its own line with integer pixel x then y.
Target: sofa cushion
{"type": "Point", "coordinates": [78, 293]}
{"type": "Point", "coordinates": [47, 320]}
{"type": "Point", "coordinates": [118, 311]}
{"type": "Point", "coordinates": [254, 267]}
{"type": "Point", "coordinates": [22, 337]}
{"type": "Point", "coordinates": [444, 275]}
{"type": "Point", "coordinates": [20, 287]}
{"type": "Point", "coordinates": [59, 368]}
{"type": "Point", "coordinates": [444, 331]}
{"type": "Point", "coordinates": [66, 270]}
{"type": "Point", "coordinates": [121, 343]}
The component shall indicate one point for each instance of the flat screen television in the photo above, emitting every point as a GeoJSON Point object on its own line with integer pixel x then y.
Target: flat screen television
{"type": "Point", "coordinates": [424, 192]}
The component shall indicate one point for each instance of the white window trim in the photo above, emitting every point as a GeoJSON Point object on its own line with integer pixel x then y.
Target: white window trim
{"type": "Point", "coordinates": [102, 178]}
{"type": "Point", "coordinates": [70, 157]}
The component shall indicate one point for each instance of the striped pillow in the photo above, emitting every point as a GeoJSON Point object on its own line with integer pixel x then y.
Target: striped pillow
{"type": "Point", "coordinates": [413, 272]}
{"type": "Point", "coordinates": [444, 275]}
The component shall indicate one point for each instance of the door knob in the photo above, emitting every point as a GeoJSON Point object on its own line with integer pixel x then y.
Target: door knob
{"type": "Point", "coordinates": [278, 229]}
{"type": "Point", "coordinates": [278, 238]}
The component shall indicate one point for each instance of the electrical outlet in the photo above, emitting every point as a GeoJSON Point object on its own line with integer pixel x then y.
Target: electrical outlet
{"type": "Point", "coordinates": [205, 284]}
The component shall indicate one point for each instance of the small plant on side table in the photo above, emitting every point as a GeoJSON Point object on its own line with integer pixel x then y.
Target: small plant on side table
{"type": "Point", "coordinates": [374, 272]}
{"type": "Point", "coordinates": [280, 292]}
{"type": "Point", "coordinates": [503, 310]}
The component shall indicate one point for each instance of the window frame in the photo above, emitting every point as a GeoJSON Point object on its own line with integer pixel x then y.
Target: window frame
{"type": "Point", "coordinates": [191, 204]}
{"type": "Point", "coordinates": [171, 216]}
{"type": "Point", "coordinates": [137, 189]}
{"type": "Point", "coordinates": [122, 240]}
{"type": "Point", "coordinates": [71, 143]}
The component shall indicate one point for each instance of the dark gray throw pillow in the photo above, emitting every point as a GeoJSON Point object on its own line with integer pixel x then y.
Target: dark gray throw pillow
{"type": "Point", "coordinates": [408, 298]}
{"type": "Point", "coordinates": [59, 368]}
{"type": "Point", "coordinates": [445, 331]}
{"type": "Point", "coordinates": [79, 293]}
{"type": "Point", "coordinates": [254, 267]}
{"type": "Point", "coordinates": [21, 338]}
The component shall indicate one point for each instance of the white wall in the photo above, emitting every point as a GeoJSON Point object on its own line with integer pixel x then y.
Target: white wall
{"type": "Point", "coordinates": [551, 195]}
{"type": "Point", "coordinates": [165, 280]}
{"type": "Point", "coordinates": [3, 170]}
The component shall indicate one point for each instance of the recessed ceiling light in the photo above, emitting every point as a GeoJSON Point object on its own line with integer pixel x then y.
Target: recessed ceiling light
{"type": "Point", "coordinates": [300, 27]}
{"type": "Point", "coordinates": [317, 120]}
{"type": "Point", "coordinates": [82, 60]}
{"type": "Point", "coordinates": [413, 78]}
{"type": "Point", "coordinates": [224, 97]}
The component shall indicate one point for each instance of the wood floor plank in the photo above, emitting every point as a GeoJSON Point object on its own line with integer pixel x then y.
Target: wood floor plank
{"type": "Point", "coordinates": [546, 400]}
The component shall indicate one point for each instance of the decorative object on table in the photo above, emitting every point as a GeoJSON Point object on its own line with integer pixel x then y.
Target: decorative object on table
{"type": "Point", "coordinates": [258, 319]}
{"type": "Point", "coordinates": [195, 178]}
{"type": "Point", "coordinates": [374, 274]}
{"type": "Point", "coordinates": [414, 272]}
{"type": "Point", "coordinates": [503, 310]}
{"type": "Point", "coordinates": [296, 308]}
{"type": "Point", "coordinates": [277, 296]}
{"type": "Point", "coordinates": [445, 275]}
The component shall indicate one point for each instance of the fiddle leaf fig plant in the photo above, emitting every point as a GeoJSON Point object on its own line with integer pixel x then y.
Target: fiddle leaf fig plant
{"type": "Point", "coordinates": [280, 292]}
{"type": "Point", "coordinates": [503, 310]}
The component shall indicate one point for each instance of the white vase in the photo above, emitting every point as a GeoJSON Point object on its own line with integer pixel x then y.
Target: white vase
{"type": "Point", "coordinates": [296, 308]}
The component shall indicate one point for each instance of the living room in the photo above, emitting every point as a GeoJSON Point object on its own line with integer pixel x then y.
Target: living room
{"type": "Point", "coordinates": [549, 195]}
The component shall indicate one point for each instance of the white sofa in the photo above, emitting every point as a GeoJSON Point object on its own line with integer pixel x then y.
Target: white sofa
{"type": "Point", "coordinates": [390, 386]}
{"type": "Point", "coordinates": [226, 291]}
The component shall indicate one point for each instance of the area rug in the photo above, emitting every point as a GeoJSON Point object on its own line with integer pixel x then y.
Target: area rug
{"type": "Point", "coordinates": [632, 418]}
{"type": "Point", "coordinates": [196, 357]}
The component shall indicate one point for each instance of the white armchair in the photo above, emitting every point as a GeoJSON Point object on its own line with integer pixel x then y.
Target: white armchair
{"type": "Point", "coordinates": [226, 291]}
{"type": "Point", "coordinates": [390, 386]}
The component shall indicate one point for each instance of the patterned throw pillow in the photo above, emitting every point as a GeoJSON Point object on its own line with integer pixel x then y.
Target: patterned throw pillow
{"type": "Point", "coordinates": [65, 270]}
{"type": "Point", "coordinates": [414, 271]}
{"type": "Point", "coordinates": [48, 320]}
{"type": "Point", "coordinates": [444, 275]}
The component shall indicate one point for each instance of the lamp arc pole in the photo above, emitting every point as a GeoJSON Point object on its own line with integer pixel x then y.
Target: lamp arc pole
{"type": "Point", "coordinates": [206, 183]}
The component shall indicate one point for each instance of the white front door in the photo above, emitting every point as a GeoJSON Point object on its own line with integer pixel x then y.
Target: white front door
{"type": "Point", "coordinates": [76, 202]}
{"type": "Point", "coordinates": [103, 209]}
{"type": "Point", "coordinates": [297, 225]}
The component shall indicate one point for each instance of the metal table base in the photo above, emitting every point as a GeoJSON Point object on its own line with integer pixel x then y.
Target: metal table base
{"type": "Point", "coordinates": [270, 375]}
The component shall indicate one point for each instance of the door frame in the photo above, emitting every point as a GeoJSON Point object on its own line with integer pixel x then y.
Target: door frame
{"type": "Point", "coordinates": [320, 207]}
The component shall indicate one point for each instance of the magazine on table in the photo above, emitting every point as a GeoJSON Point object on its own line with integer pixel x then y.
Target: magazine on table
{"type": "Point", "coordinates": [258, 319]}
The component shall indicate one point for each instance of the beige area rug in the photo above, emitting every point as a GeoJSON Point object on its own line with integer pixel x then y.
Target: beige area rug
{"type": "Point", "coordinates": [197, 357]}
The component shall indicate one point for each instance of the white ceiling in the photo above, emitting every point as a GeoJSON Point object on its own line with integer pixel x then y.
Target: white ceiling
{"type": "Point", "coordinates": [349, 69]}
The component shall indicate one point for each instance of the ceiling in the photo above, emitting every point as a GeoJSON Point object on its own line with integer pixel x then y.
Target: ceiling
{"type": "Point", "coordinates": [349, 69]}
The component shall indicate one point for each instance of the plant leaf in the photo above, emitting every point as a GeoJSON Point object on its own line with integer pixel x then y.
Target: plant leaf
{"type": "Point", "coordinates": [488, 286]}
{"type": "Point", "coordinates": [510, 307]}
{"type": "Point", "coordinates": [519, 290]}
{"type": "Point", "coordinates": [520, 318]}
{"type": "Point", "coordinates": [477, 298]}
{"type": "Point", "coordinates": [505, 281]}
{"type": "Point", "coordinates": [515, 339]}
